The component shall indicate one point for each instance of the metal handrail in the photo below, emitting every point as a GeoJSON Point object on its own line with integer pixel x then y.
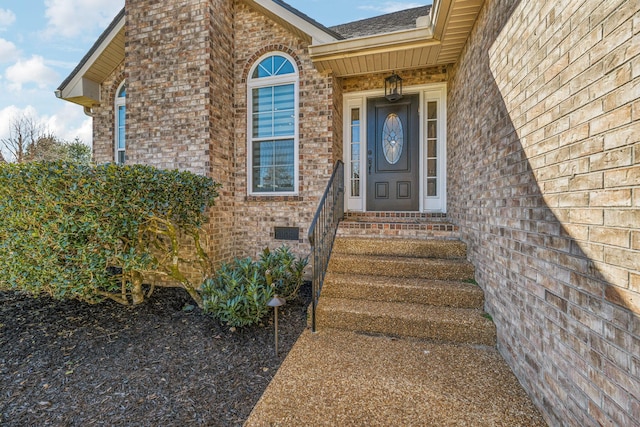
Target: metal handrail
{"type": "Point", "coordinates": [322, 232]}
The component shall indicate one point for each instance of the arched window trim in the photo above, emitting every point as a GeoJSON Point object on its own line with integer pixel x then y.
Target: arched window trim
{"type": "Point", "coordinates": [119, 154]}
{"type": "Point", "coordinates": [261, 82]}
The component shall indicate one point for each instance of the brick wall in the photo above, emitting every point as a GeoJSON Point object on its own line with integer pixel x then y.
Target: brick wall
{"type": "Point", "coordinates": [167, 67]}
{"type": "Point", "coordinates": [178, 70]}
{"type": "Point", "coordinates": [409, 78]}
{"type": "Point", "coordinates": [219, 72]}
{"type": "Point", "coordinates": [544, 162]}
{"type": "Point", "coordinates": [256, 216]}
{"type": "Point", "coordinates": [186, 66]}
{"type": "Point", "coordinates": [104, 118]}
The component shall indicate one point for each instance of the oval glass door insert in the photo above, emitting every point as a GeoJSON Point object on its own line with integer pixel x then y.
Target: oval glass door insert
{"type": "Point", "coordinates": [392, 138]}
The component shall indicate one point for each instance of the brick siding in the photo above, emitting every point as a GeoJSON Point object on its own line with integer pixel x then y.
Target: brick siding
{"type": "Point", "coordinates": [256, 216]}
{"type": "Point", "coordinates": [544, 161]}
{"type": "Point", "coordinates": [104, 118]}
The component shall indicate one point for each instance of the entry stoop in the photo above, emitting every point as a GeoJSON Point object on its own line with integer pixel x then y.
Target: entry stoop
{"type": "Point", "coordinates": [355, 370]}
{"type": "Point", "coordinates": [400, 286]}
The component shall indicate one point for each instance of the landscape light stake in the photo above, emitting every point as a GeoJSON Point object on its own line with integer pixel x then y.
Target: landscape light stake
{"type": "Point", "coordinates": [275, 303]}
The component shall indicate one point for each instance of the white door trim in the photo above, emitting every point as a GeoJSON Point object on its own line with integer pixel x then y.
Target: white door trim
{"type": "Point", "coordinates": [358, 100]}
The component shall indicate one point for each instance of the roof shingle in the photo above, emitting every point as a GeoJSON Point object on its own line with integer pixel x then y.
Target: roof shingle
{"type": "Point", "coordinates": [402, 20]}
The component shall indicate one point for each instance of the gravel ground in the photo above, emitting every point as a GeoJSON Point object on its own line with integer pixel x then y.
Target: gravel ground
{"type": "Point", "coordinates": [68, 363]}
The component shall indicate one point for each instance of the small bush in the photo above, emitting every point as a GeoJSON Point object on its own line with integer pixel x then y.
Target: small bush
{"type": "Point", "coordinates": [239, 292]}
{"type": "Point", "coordinates": [283, 270]}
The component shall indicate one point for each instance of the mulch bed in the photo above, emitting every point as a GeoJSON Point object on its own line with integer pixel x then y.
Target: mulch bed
{"type": "Point", "coordinates": [71, 363]}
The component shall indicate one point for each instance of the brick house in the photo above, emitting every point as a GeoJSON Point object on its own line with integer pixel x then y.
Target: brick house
{"type": "Point", "coordinates": [519, 123]}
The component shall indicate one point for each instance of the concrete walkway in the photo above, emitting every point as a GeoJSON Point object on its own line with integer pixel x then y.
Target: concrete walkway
{"type": "Point", "coordinates": [340, 378]}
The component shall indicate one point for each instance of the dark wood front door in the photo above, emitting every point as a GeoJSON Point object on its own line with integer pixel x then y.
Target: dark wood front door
{"type": "Point", "coordinates": [393, 155]}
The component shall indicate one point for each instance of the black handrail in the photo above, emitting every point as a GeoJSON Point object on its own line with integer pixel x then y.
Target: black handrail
{"type": "Point", "coordinates": [322, 232]}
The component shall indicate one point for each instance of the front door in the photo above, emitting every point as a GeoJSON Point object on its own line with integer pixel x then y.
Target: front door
{"type": "Point", "coordinates": [393, 150]}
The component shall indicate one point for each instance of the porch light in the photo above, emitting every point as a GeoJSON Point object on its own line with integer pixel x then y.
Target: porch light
{"type": "Point", "coordinates": [393, 87]}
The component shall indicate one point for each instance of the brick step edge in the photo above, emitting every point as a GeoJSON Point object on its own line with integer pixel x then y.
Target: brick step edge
{"type": "Point", "coordinates": [394, 216]}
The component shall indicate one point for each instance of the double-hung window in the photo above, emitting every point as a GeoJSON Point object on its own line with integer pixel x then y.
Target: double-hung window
{"type": "Point", "coordinates": [120, 120]}
{"type": "Point", "coordinates": [273, 126]}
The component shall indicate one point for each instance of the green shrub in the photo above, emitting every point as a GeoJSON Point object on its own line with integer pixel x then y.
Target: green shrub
{"type": "Point", "coordinates": [237, 295]}
{"type": "Point", "coordinates": [65, 227]}
{"type": "Point", "coordinates": [239, 291]}
{"type": "Point", "coordinates": [284, 270]}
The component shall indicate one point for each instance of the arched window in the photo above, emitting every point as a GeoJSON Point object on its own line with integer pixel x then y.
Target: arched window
{"type": "Point", "coordinates": [273, 125]}
{"type": "Point", "coordinates": [121, 117]}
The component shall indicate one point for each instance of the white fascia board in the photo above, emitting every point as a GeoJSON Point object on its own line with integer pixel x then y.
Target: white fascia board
{"type": "Point", "coordinates": [83, 87]}
{"type": "Point", "coordinates": [379, 42]}
{"type": "Point", "coordinates": [440, 12]}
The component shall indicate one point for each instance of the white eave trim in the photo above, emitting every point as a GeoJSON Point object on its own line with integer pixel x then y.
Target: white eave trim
{"type": "Point", "coordinates": [77, 81]}
{"type": "Point", "coordinates": [318, 36]}
{"type": "Point", "coordinates": [440, 11]}
{"type": "Point", "coordinates": [404, 39]}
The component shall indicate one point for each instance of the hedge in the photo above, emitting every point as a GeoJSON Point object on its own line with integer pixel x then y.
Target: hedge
{"type": "Point", "coordinates": [66, 228]}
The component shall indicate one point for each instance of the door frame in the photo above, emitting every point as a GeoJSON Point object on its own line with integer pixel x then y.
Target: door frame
{"type": "Point", "coordinates": [358, 100]}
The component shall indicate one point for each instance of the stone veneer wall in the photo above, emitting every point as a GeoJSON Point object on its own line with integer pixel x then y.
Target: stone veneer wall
{"type": "Point", "coordinates": [256, 216]}
{"type": "Point", "coordinates": [544, 163]}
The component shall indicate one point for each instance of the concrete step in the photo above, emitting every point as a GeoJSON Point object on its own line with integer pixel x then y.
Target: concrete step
{"type": "Point", "coordinates": [458, 325]}
{"type": "Point", "coordinates": [398, 289]}
{"type": "Point", "coordinates": [435, 269]}
{"type": "Point", "coordinates": [434, 248]}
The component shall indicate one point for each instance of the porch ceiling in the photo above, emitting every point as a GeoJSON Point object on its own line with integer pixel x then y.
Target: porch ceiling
{"type": "Point", "coordinates": [438, 40]}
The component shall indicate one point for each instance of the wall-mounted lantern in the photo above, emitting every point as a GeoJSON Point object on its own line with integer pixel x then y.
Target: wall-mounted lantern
{"type": "Point", "coordinates": [393, 87]}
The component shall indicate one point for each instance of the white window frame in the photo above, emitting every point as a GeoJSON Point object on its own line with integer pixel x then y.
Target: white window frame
{"type": "Point", "coordinates": [427, 92]}
{"type": "Point", "coordinates": [355, 203]}
{"type": "Point", "coordinates": [119, 102]}
{"type": "Point", "coordinates": [436, 203]}
{"type": "Point", "coordinates": [254, 83]}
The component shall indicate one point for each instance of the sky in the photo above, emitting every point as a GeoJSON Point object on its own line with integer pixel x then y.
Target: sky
{"type": "Point", "coordinates": [41, 42]}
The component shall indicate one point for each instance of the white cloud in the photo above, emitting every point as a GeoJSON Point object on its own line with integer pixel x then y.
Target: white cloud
{"type": "Point", "coordinates": [32, 70]}
{"type": "Point", "coordinates": [71, 18]}
{"type": "Point", "coordinates": [67, 123]}
{"type": "Point", "coordinates": [7, 17]}
{"type": "Point", "coordinates": [7, 116]}
{"type": "Point", "coordinates": [8, 51]}
{"type": "Point", "coordinates": [391, 6]}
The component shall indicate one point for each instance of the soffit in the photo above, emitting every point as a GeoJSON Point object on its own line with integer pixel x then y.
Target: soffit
{"type": "Point", "coordinates": [458, 23]}
{"type": "Point", "coordinates": [439, 43]}
{"type": "Point", "coordinates": [95, 67]}
{"type": "Point", "coordinates": [108, 60]}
